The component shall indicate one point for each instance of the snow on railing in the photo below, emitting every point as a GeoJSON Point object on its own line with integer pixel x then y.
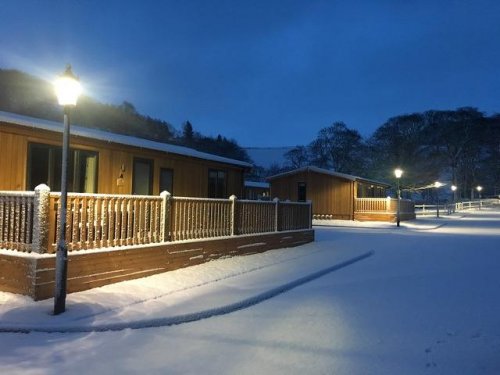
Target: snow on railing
{"type": "Point", "coordinates": [294, 215]}
{"type": "Point", "coordinates": [449, 208]}
{"type": "Point", "coordinates": [253, 216]}
{"type": "Point", "coordinates": [16, 220]}
{"type": "Point", "coordinates": [193, 218]}
{"type": "Point", "coordinates": [94, 221]}
{"type": "Point", "coordinates": [383, 205]}
{"type": "Point", "coordinates": [29, 221]}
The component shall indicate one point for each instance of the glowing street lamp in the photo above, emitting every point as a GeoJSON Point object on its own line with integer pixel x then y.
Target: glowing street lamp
{"type": "Point", "coordinates": [67, 88]}
{"type": "Point", "coordinates": [479, 189]}
{"type": "Point", "coordinates": [398, 173]}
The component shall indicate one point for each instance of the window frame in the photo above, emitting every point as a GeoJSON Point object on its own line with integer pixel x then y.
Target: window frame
{"type": "Point", "coordinates": [300, 185]}
{"type": "Point", "coordinates": [54, 165]}
{"type": "Point", "coordinates": [171, 190]}
{"type": "Point", "coordinates": [214, 193]}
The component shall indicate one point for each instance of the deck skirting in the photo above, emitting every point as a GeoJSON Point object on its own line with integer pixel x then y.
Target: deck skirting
{"type": "Point", "coordinates": [33, 274]}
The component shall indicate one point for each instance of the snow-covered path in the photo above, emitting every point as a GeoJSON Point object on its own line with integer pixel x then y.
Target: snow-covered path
{"type": "Point", "coordinates": [425, 302]}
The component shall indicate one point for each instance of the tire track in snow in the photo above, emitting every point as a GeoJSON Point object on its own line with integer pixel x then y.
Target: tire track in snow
{"type": "Point", "coordinates": [207, 282]}
{"type": "Point", "coordinates": [191, 317]}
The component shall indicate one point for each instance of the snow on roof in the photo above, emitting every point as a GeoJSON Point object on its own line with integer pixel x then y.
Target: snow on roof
{"type": "Point", "coordinates": [255, 184]}
{"type": "Point", "coordinates": [116, 138]}
{"type": "Point", "coordinates": [328, 172]}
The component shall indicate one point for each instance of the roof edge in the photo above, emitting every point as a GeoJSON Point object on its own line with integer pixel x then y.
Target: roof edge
{"type": "Point", "coordinates": [102, 135]}
{"type": "Point", "coordinates": [312, 168]}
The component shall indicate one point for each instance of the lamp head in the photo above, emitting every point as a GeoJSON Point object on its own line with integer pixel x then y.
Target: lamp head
{"type": "Point", "coordinates": [398, 173]}
{"type": "Point", "coordinates": [67, 88]}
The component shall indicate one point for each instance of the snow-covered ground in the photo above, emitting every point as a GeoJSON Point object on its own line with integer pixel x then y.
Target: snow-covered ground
{"type": "Point", "coordinates": [371, 299]}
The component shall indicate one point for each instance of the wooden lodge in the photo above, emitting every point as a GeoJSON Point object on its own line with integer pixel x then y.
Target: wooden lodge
{"type": "Point", "coordinates": [108, 163]}
{"type": "Point", "coordinates": [339, 196]}
{"type": "Point", "coordinates": [119, 226]}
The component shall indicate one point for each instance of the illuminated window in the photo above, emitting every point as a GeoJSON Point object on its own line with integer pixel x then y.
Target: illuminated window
{"type": "Point", "coordinates": [44, 167]}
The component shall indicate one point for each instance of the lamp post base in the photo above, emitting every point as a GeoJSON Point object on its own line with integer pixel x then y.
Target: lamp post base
{"type": "Point", "coordinates": [61, 277]}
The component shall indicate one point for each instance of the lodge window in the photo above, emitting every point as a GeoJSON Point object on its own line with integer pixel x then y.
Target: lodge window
{"type": "Point", "coordinates": [44, 167]}
{"type": "Point", "coordinates": [142, 177]}
{"type": "Point", "coordinates": [301, 192]}
{"type": "Point", "coordinates": [216, 184]}
{"type": "Point", "coordinates": [370, 191]}
{"type": "Point", "coordinates": [167, 180]}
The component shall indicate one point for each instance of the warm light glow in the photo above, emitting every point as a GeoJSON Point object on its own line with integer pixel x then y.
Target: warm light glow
{"type": "Point", "coordinates": [398, 173]}
{"type": "Point", "coordinates": [479, 188]}
{"type": "Point", "coordinates": [67, 88]}
{"type": "Point", "coordinates": [453, 188]}
{"type": "Point", "coordinates": [438, 184]}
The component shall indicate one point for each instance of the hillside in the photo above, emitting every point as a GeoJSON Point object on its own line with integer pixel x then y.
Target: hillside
{"type": "Point", "coordinates": [27, 95]}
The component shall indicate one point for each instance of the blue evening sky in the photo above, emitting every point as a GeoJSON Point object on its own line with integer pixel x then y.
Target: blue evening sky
{"type": "Point", "coordinates": [266, 73]}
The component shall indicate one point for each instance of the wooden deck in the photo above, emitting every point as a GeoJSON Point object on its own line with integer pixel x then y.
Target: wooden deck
{"type": "Point", "coordinates": [112, 238]}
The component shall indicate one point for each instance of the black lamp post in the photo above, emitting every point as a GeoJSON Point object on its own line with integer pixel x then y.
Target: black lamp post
{"type": "Point", "coordinates": [437, 185]}
{"type": "Point", "coordinates": [479, 189]}
{"type": "Point", "coordinates": [398, 173]}
{"type": "Point", "coordinates": [454, 190]}
{"type": "Point", "coordinates": [67, 89]}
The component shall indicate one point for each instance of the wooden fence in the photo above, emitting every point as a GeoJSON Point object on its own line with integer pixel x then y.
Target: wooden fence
{"type": "Point", "coordinates": [99, 220]}
{"type": "Point", "coordinates": [383, 205]}
{"type": "Point", "coordinates": [29, 221]}
{"type": "Point", "coordinates": [16, 220]}
{"type": "Point", "coordinates": [449, 208]}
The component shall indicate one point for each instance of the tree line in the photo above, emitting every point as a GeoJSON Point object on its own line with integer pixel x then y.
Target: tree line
{"type": "Point", "coordinates": [459, 146]}
{"type": "Point", "coordinates": [27, 95]}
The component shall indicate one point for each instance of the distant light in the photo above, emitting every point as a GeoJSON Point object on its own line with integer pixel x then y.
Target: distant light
{"type": "Point", "coordinates": [479, 188]}
{"type": "Point", "coordinates": [438, 184]}
{"type": "Point", "coordinates": [453, 188]}
{"type": "Point", "coordinates": [398, 173]}
{"type": "Point", "coordinates": [67, 88]}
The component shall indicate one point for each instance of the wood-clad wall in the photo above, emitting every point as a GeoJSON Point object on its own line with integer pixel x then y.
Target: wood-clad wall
{"type": "Point", "coordinates": [190, 175]}
{"type": "Point", "coordinates": [330, 195]}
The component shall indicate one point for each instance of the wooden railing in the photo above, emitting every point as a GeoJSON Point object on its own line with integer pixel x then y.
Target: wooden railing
{"type": "Point", "coordinates": [16, 220]}
{"type": "Point", "coordinates": [449, 208]}
{"type": "Point", "coordinates": [371, 204]}
{"type": "Point", "coordinates": [99, 220]}
{"type": "Point", "coordinates": [193, 218]}
{"type": "Point", "coordinates": [383, 205]}
{"type": "Point", "coordinates": [294, 215]}
{"type": "Point", "coordinates": [255, 217]}
{"type": "Point", "coordinates": [30, 222]}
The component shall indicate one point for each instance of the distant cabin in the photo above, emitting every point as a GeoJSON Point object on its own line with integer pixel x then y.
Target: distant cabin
{"type": "Point", "coordinates": [104, 162]}
{"type": "Point", "coordinates": [255, 190]}
{"type": "Point", "coordinates": [334, 195]}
